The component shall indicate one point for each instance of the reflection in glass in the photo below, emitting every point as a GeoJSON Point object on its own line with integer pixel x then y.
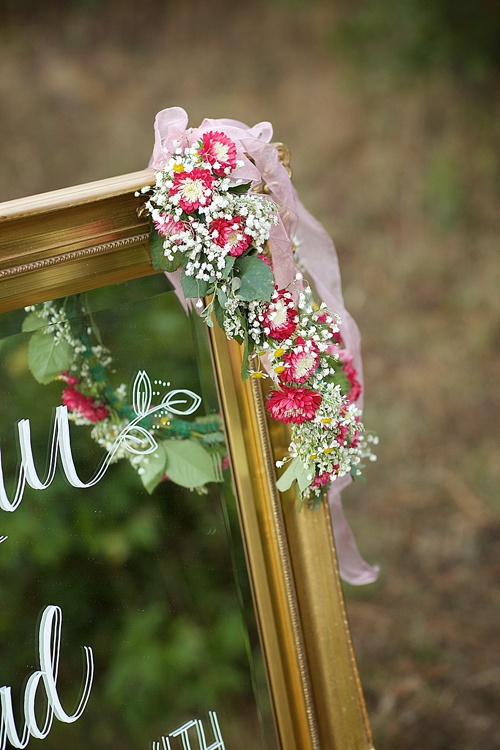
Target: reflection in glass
{"type": "Point", "coordinates": [146, 580]}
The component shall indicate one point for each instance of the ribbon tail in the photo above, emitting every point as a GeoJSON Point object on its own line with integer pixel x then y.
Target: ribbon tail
{"type": "Point", "coordinates": [353, 569]}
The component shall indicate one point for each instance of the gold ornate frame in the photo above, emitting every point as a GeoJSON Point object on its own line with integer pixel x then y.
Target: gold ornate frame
{"type": "Point", "coordinates": [89, 236]}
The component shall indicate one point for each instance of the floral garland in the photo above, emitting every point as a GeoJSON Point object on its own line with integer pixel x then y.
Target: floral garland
{"type": "Point", "coordinates": [213, 229]}
{"type": "Point", "coordinates": [145, 428]}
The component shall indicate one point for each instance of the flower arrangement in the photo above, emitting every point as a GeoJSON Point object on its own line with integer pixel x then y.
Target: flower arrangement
{"type": "Point", "coordinates": [229, 231]}
{"type": "Point", "coordinates": [213, 228]}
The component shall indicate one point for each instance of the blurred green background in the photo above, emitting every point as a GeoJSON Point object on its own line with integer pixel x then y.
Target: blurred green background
{"type": "Point", "coordinates": [391, 111]}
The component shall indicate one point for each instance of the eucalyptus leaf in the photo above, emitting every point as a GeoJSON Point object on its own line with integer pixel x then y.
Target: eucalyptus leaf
{"type": "Point", "coordinates": [219, 310]}
{"type": "Point", "coordinates": [228, 266]}
{"type": "Point", "coordinates": [246, 354]}
{"type": "Point", "coordinates": [48, 359]}
{"type": "Point", "coordinates": [188, 463]}
{"type": "Point", "coordinates": [289, 475]}
{"type": "Point", "coordinates": [305, 475]}
{"type": "Point", "coordinates": [221, 298]}
{"type": "Point", "coordinates": [240, 189]}
{"type": "Point", "coordinates": [160, 262]}
{"type": "Point", "coordinates": [257, 281]}
{"type": "Point", "coordinates": [193, 287]}
{"type": "Point", "coordinates": [154, 468]}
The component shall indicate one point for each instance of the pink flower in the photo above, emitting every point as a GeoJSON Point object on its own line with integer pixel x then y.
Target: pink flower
{"type": "Point", "coordinates": [301, 362]}
{"type": "Point", "coordinates": [295, 405]}
{"type": "Point", "coordinates": [321, 479]}
{"type": "Point", "coordinates": [231, 233]}
{"type": "Point", "coordinates": [166, 225]}
{"type": "Point", "coordinates": [219, 151]}
{"type": "Point", "coordinates": [193, 188]}
{"type": "Point", "coordinates": [84, 405]}
{"type": "Point", "coordinates": [68, 378]}
{"type": "Point", "coordinates": [352, 376]}
{"type": "Point", "coordinates": [280, 318]}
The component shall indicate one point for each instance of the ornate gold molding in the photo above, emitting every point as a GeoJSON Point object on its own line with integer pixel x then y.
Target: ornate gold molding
{"type": "Point", "coordinates": [87, 252]}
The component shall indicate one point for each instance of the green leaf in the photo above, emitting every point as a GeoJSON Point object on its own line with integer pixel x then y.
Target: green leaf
{"type": "Point", "coordinates": [154, 469]}
{"type": "Point", "coordinates": [188, 463]}
{"type": "Point", "coordinates": [219, 310]}
{"type": "Point", "coordinates": [257, 281]}
{"type": "Point", "coordinates": [193, 287]}
{"type": "Point", "coordinates": [160, 262]}
{"type": "Point", "coordinates": [221, 298]}
{"type": "Point", "coordinates": [32, 322]}
{"type": "Point", "coordinates": [239, 189]}
{"type": "Point", "coordinates": [289, 475]}
{"type": "Point", "coordinates": [296, 471]}
{"type": "Point", "coordinates": [46, 358]}
{"type": "Point", "coordinates": [246, 353]}
{"type": "Point", "coordinates": [305, 475]}
{"type": "Point", "coordinates": [229, 263]}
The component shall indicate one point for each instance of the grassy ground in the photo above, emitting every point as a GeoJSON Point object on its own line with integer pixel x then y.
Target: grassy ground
{"type": "Point", "coordinates": [406, 179]}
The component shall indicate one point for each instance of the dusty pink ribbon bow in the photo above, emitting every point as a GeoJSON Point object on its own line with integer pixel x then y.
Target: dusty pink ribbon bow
{"type": "Point", "coordinates": [316, 252]}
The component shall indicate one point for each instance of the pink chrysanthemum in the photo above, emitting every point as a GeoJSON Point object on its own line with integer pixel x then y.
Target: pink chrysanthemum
{"type": "Point", "coordinates": [84, 405]}
{"type": "Point", "coordinates": [352, 376]}
{"type": "Point", "coordinates": [193, 188]}
{"type": "Point", "coordinates": [166, 225]}
{"type": "Point", "coordinates": [295, 405]}
{"type": "Point", "coordinates": [281, 317]}
{"type": "Point", "coordinates": [230, 233]}
{"type": "Point", "coordinates": [301, 362]}
{"type": "Point", "coordinates": [219, 151]}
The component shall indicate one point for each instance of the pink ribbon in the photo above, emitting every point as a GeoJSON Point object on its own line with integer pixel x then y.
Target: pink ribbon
{"type": "Point", "coordinates": [317, 254]}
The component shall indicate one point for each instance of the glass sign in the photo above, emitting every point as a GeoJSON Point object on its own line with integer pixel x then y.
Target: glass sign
{"type": "Point", "coordinates": [126, 614]}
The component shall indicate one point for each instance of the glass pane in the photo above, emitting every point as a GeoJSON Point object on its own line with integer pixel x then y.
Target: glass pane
{"type": "Point", "coordinates": [152, 583]}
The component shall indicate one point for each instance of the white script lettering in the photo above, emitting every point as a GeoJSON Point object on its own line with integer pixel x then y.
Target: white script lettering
{"type": "Point", "coordinates": [49, 649]}
{"type": "Point", "coordinates": [183, 734]}
{"type": "Point", "coordinates": [133, 437]}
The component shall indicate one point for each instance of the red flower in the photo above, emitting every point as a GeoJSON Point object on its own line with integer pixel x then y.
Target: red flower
{"type": "Point", "coordinates": [219, 151]}
{"type": "Point", "coordinates": [280, 318]}
{"type": "Point", "coordinates": [166, 225]}
{"type": "Point", "coordinates": [352, 375]}
{"type": "Point", "coordinates": [193, 188]}
{"type": "Point", "coordinates": [321, 479]}
{"type": "Point", "coordinates": [231, 232]}
{"type": "Point", "coordinates": [301, 362]}
{"type": "Point", "coordinates": [295, 405]}
{"type": "Point", "coordinates": [84, 405]}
